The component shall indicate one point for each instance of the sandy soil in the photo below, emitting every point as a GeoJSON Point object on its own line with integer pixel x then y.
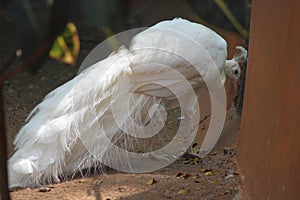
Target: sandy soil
{"type": "Point", "coordinates": [214, 177]}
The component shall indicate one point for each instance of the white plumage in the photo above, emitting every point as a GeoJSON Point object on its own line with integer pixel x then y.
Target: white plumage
{"type": "Point", "coordinates": [71, 129]}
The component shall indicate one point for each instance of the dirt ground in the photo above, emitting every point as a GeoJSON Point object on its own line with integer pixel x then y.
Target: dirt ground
{"type": "Point", "coordinates": [214, 177]}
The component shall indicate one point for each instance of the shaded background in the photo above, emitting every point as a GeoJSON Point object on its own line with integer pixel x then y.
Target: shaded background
{"type": "Point", "coordinates": [34, 22]}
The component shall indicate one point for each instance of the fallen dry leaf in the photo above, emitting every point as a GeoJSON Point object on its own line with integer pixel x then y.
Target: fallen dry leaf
{"type": "Point", "coordinates": [179, 174]}
{"type": "Point", "coordinates": [229, 176]}
{"type": "Point", "coordinates": [122, 188]}
{"type": "Point", "coordinates": [198, 180]}
{"type": "Point", "coordinates": [214, 153]}
{"type": "Point", "coordinates": [151, 181]}
{"type": "Point", "coordinates": [182, 175]}
{"type": "Point", "coordinates": [202, 169]}
{"type": "Point", "coordinates": [185, 176]}
{"type": "Point", "coordinates": [183, 192]}
{"type": "Point", "coordinates": [223, 193]}
{"type": "Point", "coordinates": [196, 176]}
{"type": "Point", "coordinates": [170, 122]}
{"type": "Point", "coordinates": [236, 173]}
{"type": "Point", "coordinates": [208, 173]}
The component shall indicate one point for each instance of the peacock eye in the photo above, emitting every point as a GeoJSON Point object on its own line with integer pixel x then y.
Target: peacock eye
{"type": "Point", "coordinates": [235, 72]}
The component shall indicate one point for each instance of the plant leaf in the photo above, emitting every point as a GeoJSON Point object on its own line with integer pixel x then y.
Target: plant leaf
{"type": "Point", "coordinates": [66, 46]}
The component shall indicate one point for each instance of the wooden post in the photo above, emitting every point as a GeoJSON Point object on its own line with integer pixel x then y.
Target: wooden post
{"type": "Point", "coordinates": [4, 192]}
{"type": "Point", "coordinates": [5, 74]}
{"type": "Point", "coordinates": [269, 140]}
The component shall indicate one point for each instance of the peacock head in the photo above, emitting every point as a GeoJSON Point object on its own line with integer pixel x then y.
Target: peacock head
{"type": "Point", "coordinates": [232, 67]}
